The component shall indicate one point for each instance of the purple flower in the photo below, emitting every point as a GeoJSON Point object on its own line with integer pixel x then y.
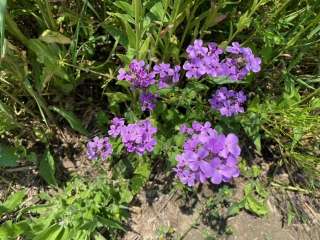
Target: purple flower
{"type": "Point", "coordinates": [137, 75]}
{"type": "Point", "coordinates": [137, 137]}
{"type": "Point", "coordinates": [205, 60]}
{"type": "Point", "coordinates": [166, 75]}
{"type": "Point", "coordinates": [99, 148]}
{"type": "Point", "coordinates": [228, 102]}
{"type": "Point", "coordinates": [147, 101]}
{"type": "Point", "coordinates": [116, 126]}
{"type": "Point", "coordinates": [241, 62]}
{"type": "Point", "coordinates": [207, 155]}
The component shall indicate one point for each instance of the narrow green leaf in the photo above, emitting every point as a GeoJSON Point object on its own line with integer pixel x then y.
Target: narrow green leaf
{"type": "Point", "coordinates": [72, 119]}
{"type": "Point", "coordinates": [3, 4]}
{"type": "Point", "coordinates": [47, 168]}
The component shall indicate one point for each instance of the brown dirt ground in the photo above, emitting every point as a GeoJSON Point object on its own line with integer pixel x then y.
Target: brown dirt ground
{"type": "Point", "coordinates": [165, 212]}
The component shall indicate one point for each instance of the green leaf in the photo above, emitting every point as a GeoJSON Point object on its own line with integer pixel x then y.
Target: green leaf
{"type": "Point", "coordinates": [220, 80]}
{"type": "Point", "coordinates": [49, 36]}
{"type": "Point", "coordinates": [126, 196]}
{"type": "Point", "coordinates": [126, 7]}
{"type": "Point", "coordinates": [13, 201]}
{"type": "Point", "coordinates": [117, 97]}
{"type": "Point", "coordinates": [74, 122]}
{"type": "Point", "coordinates": [8, 156]}
{"type": "Point", "coordinates": [158, 11]}
{"type": "Point", "coordinates": [235, 208]}
{"type": "Point", "coordinates": [50, 233]}
{"type": "Point", "coordinates": [143, 169]}
{"type": "Point", "coordinates": [110, 223]}
{"type": "Point", "coordinates": [47, 168]}
{"type": "Point", "coordinates": [145, 48]}
{"type": "Point", "coordinates": [255, 206]}
{"type": "Point", "coordinates": [131, 35]}
{"type": "Point", "coordinates": [3, 4]}
{"type": "Point", "coordinates": [136, 183]}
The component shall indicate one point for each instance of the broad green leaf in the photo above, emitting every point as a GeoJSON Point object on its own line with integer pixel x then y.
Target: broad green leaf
{"type": "Point", "coordinates": [158, 11]}
{"type": "Point", "coordinates": [9, 231]}
{"type": "Point", "coordinates": [66, 234]}
{"type": "Point", "coordinates": [8, 156]}
{"type": "Point", "coordinates": [49, 36]}
{"type": "Point", "coordinates": [50, 233]}
{"type": "Point", "coordinates": [72, 119]}
{"type": "Point", "coordinates": [255, 206]}
{"type": "Point", "coordinates": [235, 208]}
{"type": "Point", "coordinates": [47, 168]}
{"type": "Point", "coordinates": [126, 196]}
{"type": "Point", "coordinates": [143, 169]}
{"type": "Point", "coordinates": [13, 201]}
{"type": "Point", "coordinates": [136, 183]}
{"type": "Point", "coordinates": [126, 7]}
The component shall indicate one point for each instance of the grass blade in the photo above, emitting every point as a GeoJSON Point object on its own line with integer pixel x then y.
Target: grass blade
{"type": "Point", "coordinates": [3, 4]}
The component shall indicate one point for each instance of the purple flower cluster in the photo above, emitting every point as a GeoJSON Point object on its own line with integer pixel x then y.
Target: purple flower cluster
{"type": "Point", "coordinates": [205, 60]}
{"type": "Point", "coordinates": [147, 101]}
{"type": "Point", "coordinates": [240, 62]}
{"type": "Point", "coordinates": [228, 102]}
{"type": "Point", "coordinates": [207, 155]}
{"type": "Point", "coordinates": [167, 76]}
{"type": "Point", "coordinates": [137, 137]}
{"type": "Point", "coordinates": [138, 75]}
{"type": "Point", "coordinates": [99, 148]}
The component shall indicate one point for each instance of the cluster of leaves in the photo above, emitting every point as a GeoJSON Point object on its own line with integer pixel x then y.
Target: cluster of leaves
{"type": "Point", "coordinates": [82, 210]}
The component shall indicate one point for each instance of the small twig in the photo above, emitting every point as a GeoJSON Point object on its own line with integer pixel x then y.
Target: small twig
{"type": "Point", "coordinates": [295, 189]}
{"type": "Point", "coordinates": [19, 169]}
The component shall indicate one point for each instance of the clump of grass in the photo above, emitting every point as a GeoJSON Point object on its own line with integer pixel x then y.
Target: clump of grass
{"type": "Point", "coordinates": [292, 124]}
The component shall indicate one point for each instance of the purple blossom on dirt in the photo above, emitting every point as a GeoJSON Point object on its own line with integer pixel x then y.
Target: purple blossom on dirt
{"type": "Point", "coordinates": [228, 102]}
{"type": "Point", "coordinates": [207, 155]}
{"type": "Point", "coordinates": [138, 75]}
{"type": "Point", "coordinates": [167, 76]}
{"type": "Point", "coordinates": [99, 148]}
{"type": "Point", "coordinates": [147, 101]}
{"type": "Point", "coordinates": [136, 137]}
